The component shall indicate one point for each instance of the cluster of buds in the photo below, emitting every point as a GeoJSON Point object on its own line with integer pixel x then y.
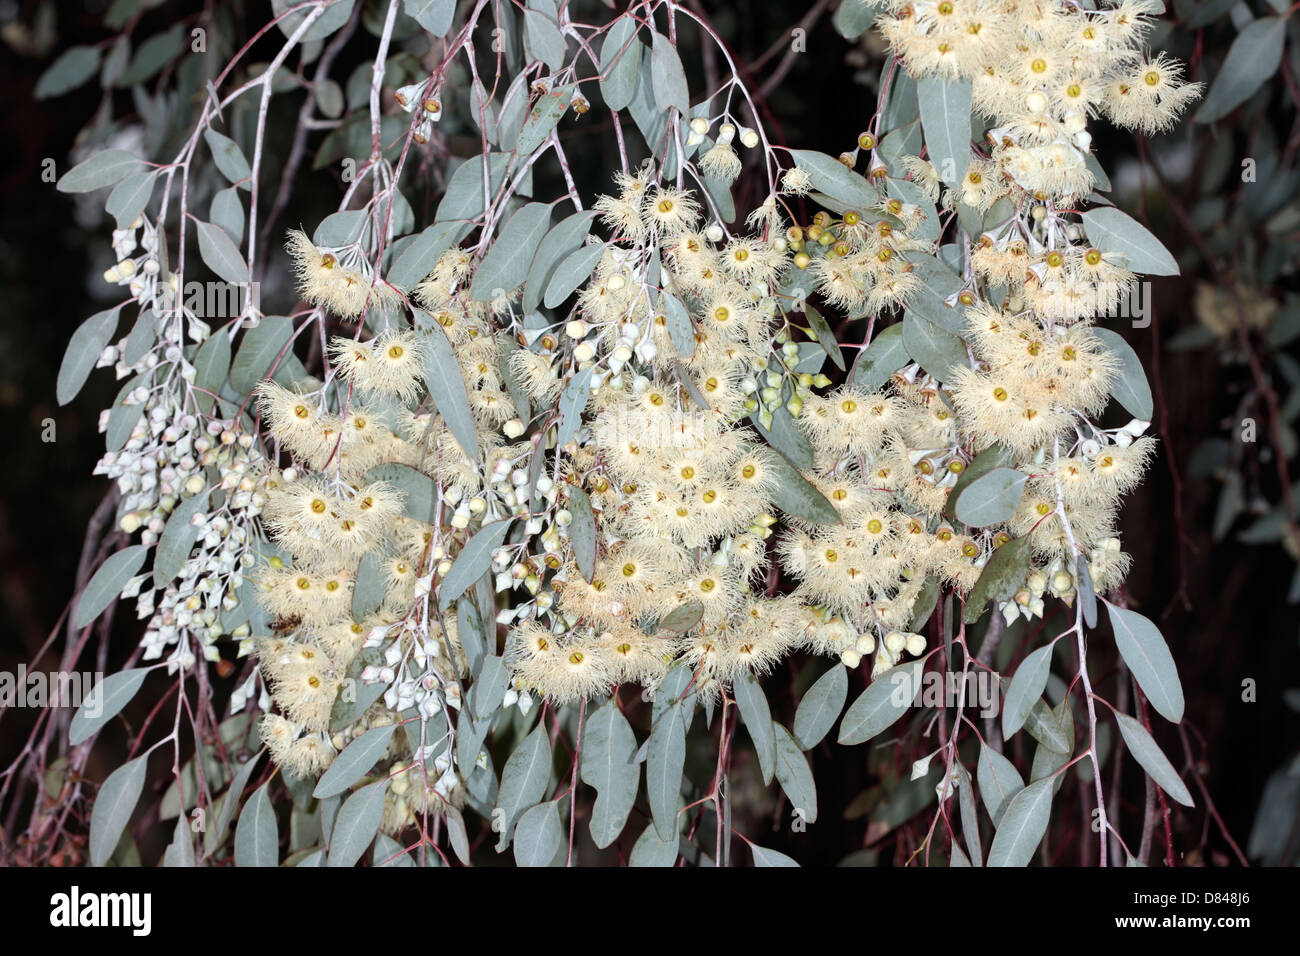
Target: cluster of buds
{"type": "Point", "coordinates": [425, 97]}
{"type": "Point", "coordinates": [138, 265]}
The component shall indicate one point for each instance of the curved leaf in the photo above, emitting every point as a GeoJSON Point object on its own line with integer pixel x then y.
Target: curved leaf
{"type": "Point", "coordinates": [257, 842]}
{"type": "Point", "coordinates": [756, 714]}
{"type": "Point", "coordinates": [608, 765]}
{"type": "Point", "coordinates": [114, 805]}
{"type": "Point", "coordinates": [1148, 753]}
{"type": "Point", "coordinates": [1026, 687]}
{"type": "Point", "coordinates": [358, 822]}
{"type": "Point", "coordinates": [821, 706]}
{"type": "Point", "coordinates": [107, 583]}
{"type": "Point", "coordinates": [354, 762]}
{"type": "Point", "coordinates": [539, 835]}
{"type": "Point", "coordinates": [105, 702]}
{"type": "Point", "coordinates": [992, 498]}
{"type": "Point", "coordinates": [84, 349]}
{"type": "Point", "coordinates": [1023, 825]}
{"type": "Point", "coordinates": [1147, 655]}
{"type": "Point", "coordinates": [886, 699]}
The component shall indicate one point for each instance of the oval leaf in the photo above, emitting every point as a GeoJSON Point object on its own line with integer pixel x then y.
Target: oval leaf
{"type": "Point", "coordinates": [885, 700]}
{"type": "Point", "coordinates": [1147, 655]}
{"type": "Point", "coordinates": [991, 498]}
{"type": "Point", "coordinates": [821, 706]}
{"type": "Point", "coordinates": [107, 583]}
{"type": "Point", "coordinates": [257, 843]}
{"type": "Point", "coordinates": [1023, 826]}
{"type": "Point", "coordinates": [105, 702]}
{"type": "Point", "coordinates": [114, 805]}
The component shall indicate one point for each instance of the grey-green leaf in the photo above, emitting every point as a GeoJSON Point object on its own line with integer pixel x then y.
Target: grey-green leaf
{"type": "Point", "coordinates": [542, 119]}
{"type": "Point", "coordinates": [257, 842]}
{"type": "Point", "coordinates": [446, 385]}
{"type": "Point", "coordinates": [756, 714]}
{"type": "Point", "coordinates": [262, 350]}
{"type": "Point", "coordinates": [1026, 687]}
{"type": "Point", "coordinates": [474, 559]}
{"type": "Point", "coordinates": [107, 584]}
{"type": "Point", "coordinates": [572, 402]}
{"type": "Point", "coordinates": [945, 117]}
{"type": "Point", "coordinates": [129, 197]}
{"type": "Point", "coordinates": [421, 254]}
{"type": "Point", "coordinates": [218, 250]}
{"type": "Point", "coordinates": [795, 775]}
{"type": "Point", "coordinates": [1113, 231]}
{"type": "Point", "coordinates": [1023, 825]}
{"type": "Point", "coordinates": [180, 852]}
{"type": "Point", "coordinates": [608, 764]}
{"type": "Point", "coordinates": [506, 264]}
{"type": "Point", "coordinates": [523, 781]}
{"type": "Point", "coordinates": [991, 498]}
{"type": "Point", "coordinates": [84, 349]}
{"type": "Point", "coordinates": [582, 531]}
{"type": "Point", "coordinates": [652, 850]}
{"type": "Point", "coordinates": [354, 762]}
{"type": "Point", "coordinates": [1147, 655]}
{"type": "Point", "coordinates": [105, 702]}
{"type": "Point", "coordinates": [669, 78]}
{"type": "Point", "coordinates": [970, 824]}
{"type": "Point", "coordinates": [539, 835]}
{"type": "Point", "coordinates": [938, 352]}
{"type": "Point", "coordinates": [229, 158]}
{"type": "Point", "coordinates": [358, 822]}
{"type": "Point", "coordinates": [885, 700]}
{"type": "Point", "coordinates": [619, 66]}
{"type": "Point", "coordinates": [765, 857]}
{"type": "Point", "coordinates": [793, 494]}
{"type": "Point", "coordinates": [665, 760]}
{"type": "Point", "coordinates": [434, 15]}
{"type": "Point", "coordinates": [571, 273]}
{"type": "Point", "coordinates": [999, 781]}
{"type": "Point", "coordinates": [544, 39]}
{"type": "Point", "coordinates": [211, 369]}
{"type": "Point", "coordinates": [73, 67]}
{"type": "Point", "coordinates": [1253, 57]}
{"type": "Point", "coordinates": [835, 179]}
{"type": "Point", "coordinates": [1000, 578]}
{"type": "Point", "coordinates": [1148, 753]}
{"type": "Point", "coordinates": [680, 329]}
{"type": "Point", "coordinates": [821, 706]}
{"type": "Point", "coordinates": [881, 359]}
{"type": "Point", "coordinates": [105, 168]}
{"type": "Point", "coordinates": [564, 239]}
{"type": "Point", "coordinates": [114, 805]}
{"type": "Point", "coordinates": [177, 540]}
{"type": "Point", "coordinates": [995, 456]}
{"type": "Point", "coordinates": [1130, 387]}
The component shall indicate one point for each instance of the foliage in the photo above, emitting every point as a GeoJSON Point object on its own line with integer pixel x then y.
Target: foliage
{"type": "Point", "coordinates": [547, 458]}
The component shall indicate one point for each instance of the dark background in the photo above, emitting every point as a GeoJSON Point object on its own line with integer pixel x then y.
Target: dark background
{"type": "Point", "coordinates": [1221, 605]}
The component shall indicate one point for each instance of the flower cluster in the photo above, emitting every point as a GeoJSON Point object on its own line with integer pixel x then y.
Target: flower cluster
{"type": "Point", "coordinates": [1041, 69]}
{"type": "Point", "coordinates": [686, 332]}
